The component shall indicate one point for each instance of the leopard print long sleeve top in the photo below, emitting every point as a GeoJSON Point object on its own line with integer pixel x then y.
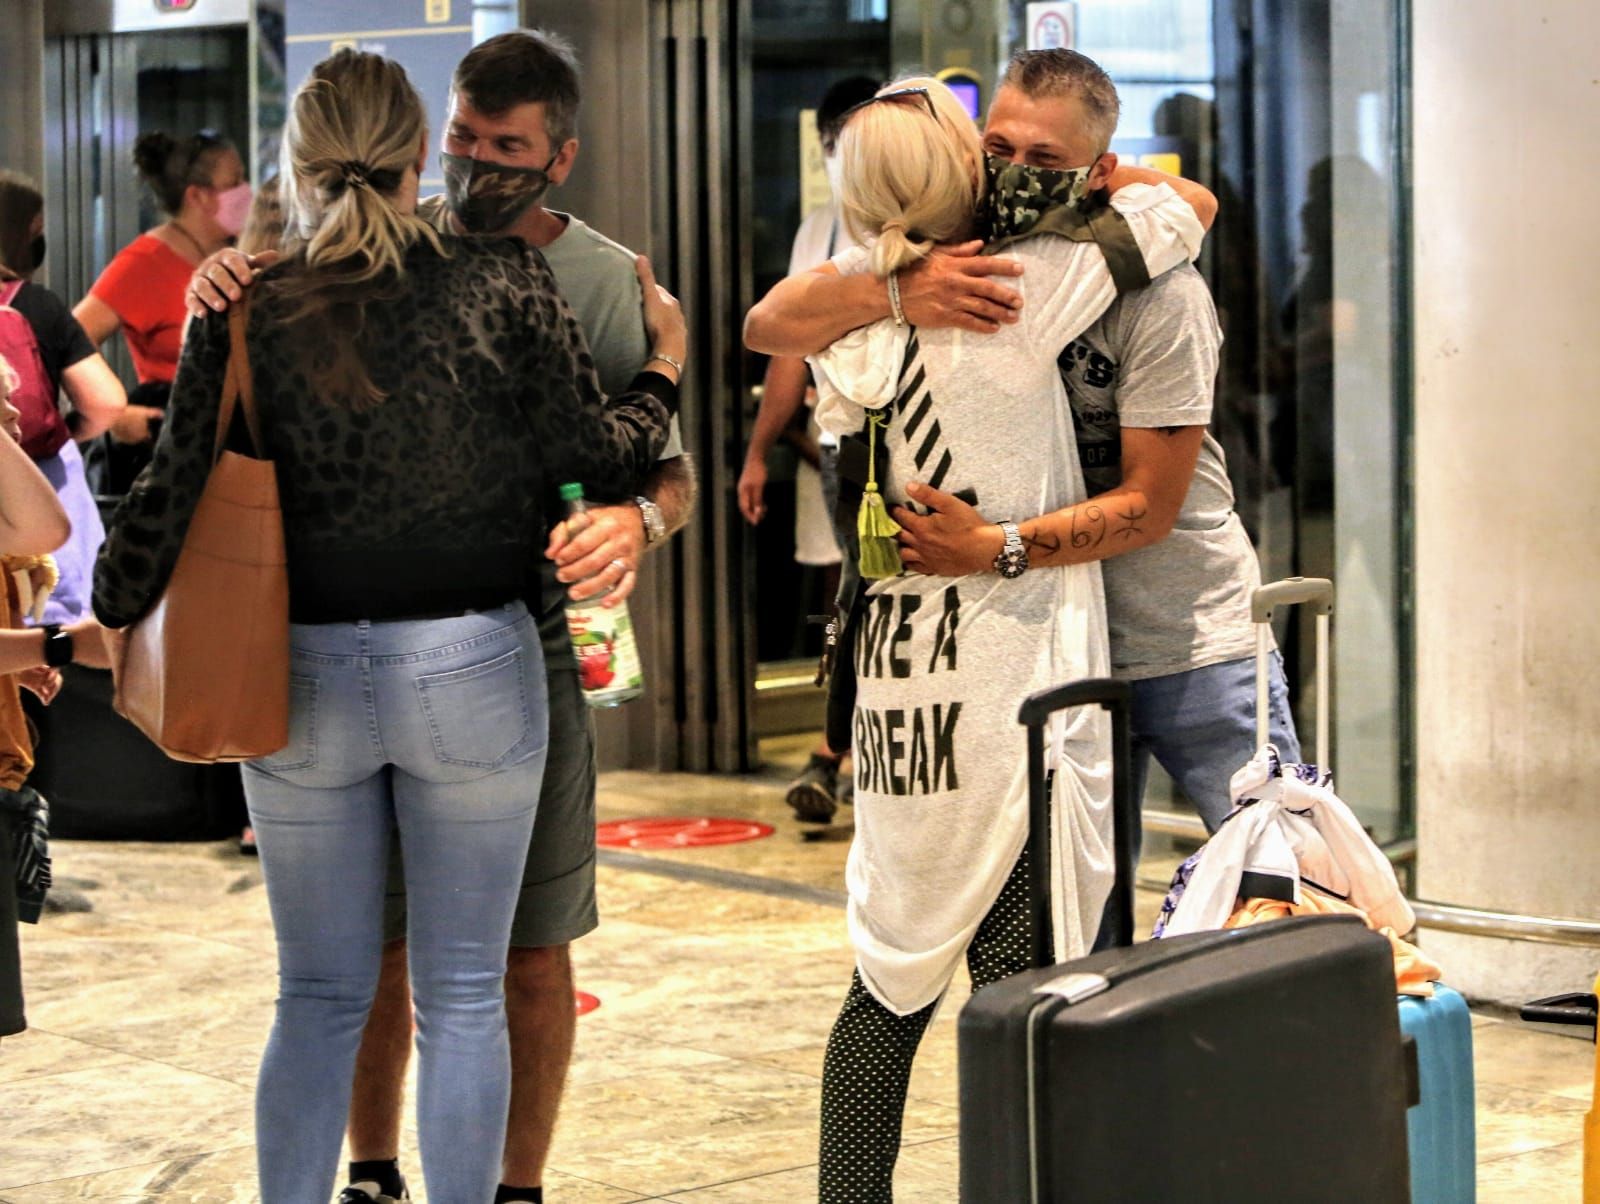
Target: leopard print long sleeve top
{"type": "Point", "coordinates": [431, 501]}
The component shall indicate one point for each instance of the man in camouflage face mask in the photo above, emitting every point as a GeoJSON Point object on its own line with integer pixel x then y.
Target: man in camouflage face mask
{"type": "Point", "coordinates": [1041, 152]}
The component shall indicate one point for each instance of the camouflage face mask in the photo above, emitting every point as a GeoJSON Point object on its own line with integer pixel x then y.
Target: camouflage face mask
{"type": "Point", "coordinates": [487, 198]}
{"type": "Point", "coordinates": [1019, 195]}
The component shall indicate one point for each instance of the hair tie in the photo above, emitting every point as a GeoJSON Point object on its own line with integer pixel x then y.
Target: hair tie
{"type": "Point", "coordinates": [895, 223]}
{"type": "Point", "coordinates": [356, 175]}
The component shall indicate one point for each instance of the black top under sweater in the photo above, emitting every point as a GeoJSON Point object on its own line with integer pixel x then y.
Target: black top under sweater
{"type": "Point", "coordinates": [431, 501]}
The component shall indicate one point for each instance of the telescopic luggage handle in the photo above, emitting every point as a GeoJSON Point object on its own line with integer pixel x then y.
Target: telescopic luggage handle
{"type": "Point", "coordinates": [1316, 592]}
{"type": "Point", "coordinates": [1117, 698]}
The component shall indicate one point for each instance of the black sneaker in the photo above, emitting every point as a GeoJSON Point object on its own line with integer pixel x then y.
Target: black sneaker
{"type": "Point", "coordinates": [368, 1192]}
{"type": "Point", "coordinates": [813, 796]}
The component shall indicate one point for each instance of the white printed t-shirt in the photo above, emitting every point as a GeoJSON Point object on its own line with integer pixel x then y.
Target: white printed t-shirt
{"type": "Point", "coordinates": [944, 664]}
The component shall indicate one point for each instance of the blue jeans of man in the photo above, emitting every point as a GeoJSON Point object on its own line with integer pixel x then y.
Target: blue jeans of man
{"type": "Point", "coordinates": [437, 729]}
{"type": "Point", "coordinates": [1200, 726]}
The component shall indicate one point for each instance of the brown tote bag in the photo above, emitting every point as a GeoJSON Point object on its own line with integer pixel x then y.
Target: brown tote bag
{"type": "Point", "coordinates": [205, 674]}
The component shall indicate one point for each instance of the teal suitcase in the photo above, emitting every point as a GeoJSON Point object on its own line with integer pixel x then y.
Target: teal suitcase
{"type": "Point", "coordinates": [1439, 1129]}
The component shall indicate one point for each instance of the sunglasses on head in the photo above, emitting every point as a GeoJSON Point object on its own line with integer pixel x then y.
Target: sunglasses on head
{"type": "Point", "coordinates": [898, 94]}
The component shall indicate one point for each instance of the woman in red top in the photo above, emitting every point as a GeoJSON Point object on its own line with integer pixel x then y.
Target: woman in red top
{"type": "Point", "coordinates": [199, 182]}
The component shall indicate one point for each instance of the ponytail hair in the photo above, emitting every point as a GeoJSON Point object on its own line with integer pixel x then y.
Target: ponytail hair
{"type": "Point", "coordinates": [910, 177]}
{"type": "Point", "coordinates": [354, 128]}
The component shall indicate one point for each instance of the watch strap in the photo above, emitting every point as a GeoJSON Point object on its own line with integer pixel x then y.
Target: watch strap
{"type": "Point", "coordinates": [58, 647]}
{"type": "Point", "coordinates": [655, 523]}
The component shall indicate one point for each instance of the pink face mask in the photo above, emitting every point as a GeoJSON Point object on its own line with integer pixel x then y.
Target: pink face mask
{"type": "Point", "coordinates": [233, 207]}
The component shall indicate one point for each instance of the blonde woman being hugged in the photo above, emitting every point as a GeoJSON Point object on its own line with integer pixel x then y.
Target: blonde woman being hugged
{"type": "Point", "coordinates": [421, 397]}
{"type": "Point", "coordinates": [938, 867]}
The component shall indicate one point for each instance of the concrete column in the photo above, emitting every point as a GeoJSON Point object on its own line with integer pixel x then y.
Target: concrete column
{"type": "Point", "coordinates": [22, 87]}
{"type": "Point", "coordinates": [1507, 309]}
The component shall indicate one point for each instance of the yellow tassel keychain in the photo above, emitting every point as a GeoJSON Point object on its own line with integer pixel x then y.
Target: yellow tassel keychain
{"type": "Point", "coordinates": [880, 554]}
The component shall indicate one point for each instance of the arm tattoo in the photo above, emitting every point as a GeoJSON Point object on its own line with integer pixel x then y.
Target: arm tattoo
{"type": "Point", "coordinates": [1088, 526]}
{"type": "Point", "coordinates": [1042, 542]}
{"type": "Point", "coordinates": [1132, 514]}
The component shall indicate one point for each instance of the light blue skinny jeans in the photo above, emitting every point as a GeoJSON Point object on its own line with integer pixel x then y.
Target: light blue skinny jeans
{"type": "Point", "coordinates": [437, 728]}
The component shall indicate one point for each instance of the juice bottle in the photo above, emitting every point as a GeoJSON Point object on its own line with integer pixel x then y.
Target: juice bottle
{"type": "Point", "coordinates": [602, 637]}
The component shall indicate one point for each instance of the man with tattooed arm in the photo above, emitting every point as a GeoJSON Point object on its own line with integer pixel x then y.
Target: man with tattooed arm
{"type": "Point", "coordinates": [1178, 567]}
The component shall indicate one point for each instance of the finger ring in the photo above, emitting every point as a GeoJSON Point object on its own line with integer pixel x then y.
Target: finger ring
{"type": "Point", "coordinates": [620, 565]}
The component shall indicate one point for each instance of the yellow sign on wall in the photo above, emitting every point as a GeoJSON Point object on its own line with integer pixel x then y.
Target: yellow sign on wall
{"type": "Point", "coordinates": [438, 11]}
{"type": "Point", "coordinates": [1165, 161]}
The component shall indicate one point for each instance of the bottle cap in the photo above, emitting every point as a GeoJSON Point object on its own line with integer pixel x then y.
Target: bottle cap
{"type": "Point", "coordinates": [572, 491]}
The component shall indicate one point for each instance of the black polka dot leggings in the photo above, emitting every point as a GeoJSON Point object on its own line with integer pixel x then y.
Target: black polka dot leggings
{"type": "Point", "coordinates": [868, 1066]}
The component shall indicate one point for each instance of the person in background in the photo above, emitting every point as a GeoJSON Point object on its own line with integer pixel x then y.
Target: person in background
{"type": "Point", "coordinates": [64, 360]}
{"type": "Point", "coordinates": [32, 524]}
{"type": "Point", "coordinates": [510, 136]}
{"type": "Point", "coordinates": [421, 394]}
{"type": "Point", "coordinates": [199, 183]}
{"type": "Point", "coordinates": [816, 794]}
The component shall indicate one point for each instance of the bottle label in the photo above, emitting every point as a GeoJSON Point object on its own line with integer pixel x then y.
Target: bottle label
{"type": "Point", "coordinates": [607, 652]}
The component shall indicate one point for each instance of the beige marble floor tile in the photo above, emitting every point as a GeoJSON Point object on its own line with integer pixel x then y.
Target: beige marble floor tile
{"type": "Point", "coordinates": [733, 917]}
{"type": "Point", "coordinates": [604, 1054]}
{"type": "Point", "coordinates": [37, 1053]}
{"type": "Point", "coordinates": [927, 1172]}
{"type": "Point", "coordinates": [733, 1011]}
{"type": "Point", "coordinates": [197, 1004]}
{"type": "Point", "coordinates": [1510, 1055]}
{"type": "Point", "coordinates": [1512, 1120]}
{"type": "Point", "coordinates": [91, 1121]}
{"type": "Point", "coordinates": [665, 1133]}
{"type": "Point", "coordinates": [223, 1177]}
{"type": "Point", "coordinates": [1553, 1175]}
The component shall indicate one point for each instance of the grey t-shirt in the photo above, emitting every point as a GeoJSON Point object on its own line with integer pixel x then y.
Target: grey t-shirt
{"type": "Point", "coordinates": [1151, 361]}
{"type": "Point", "coordinates": [598, 281]}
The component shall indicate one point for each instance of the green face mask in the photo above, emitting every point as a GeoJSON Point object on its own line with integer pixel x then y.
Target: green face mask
{"type": "Point", "coordinates": [1019, 195]}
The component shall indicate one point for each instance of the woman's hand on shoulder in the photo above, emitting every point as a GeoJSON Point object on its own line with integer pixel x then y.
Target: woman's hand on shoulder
{"type": "Point", "coordinates": [222, 278]}
{"type": "Point", "coordinates": [663, 317]}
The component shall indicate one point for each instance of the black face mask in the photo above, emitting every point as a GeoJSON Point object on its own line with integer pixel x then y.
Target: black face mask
{"type": "Point", "coordinates": [489, 197]}
{"type": "Point", "coordinates": [36, 249]}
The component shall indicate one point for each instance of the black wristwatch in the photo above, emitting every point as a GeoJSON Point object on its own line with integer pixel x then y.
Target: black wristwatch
{"type": "Point", "coordinates": [57, 645]}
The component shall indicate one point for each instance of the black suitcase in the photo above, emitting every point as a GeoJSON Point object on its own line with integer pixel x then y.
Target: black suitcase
{"type": "Point", "coordinates": [1259, 1065]}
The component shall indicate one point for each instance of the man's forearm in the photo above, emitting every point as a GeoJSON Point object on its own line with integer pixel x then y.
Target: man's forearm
{"type": "Point", "coordinates": [1109, 524]}
{"type": "Point", "coordinates": [782, 395]}
{"type": "Point", "coordinates": [806, 313]}
{"type": "Point", "coordinates": [673, 487]}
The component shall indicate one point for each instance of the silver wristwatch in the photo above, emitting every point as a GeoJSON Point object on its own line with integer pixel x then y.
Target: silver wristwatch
{"type": "Point", "coordinates": [1013, 559]}
{"type": "Point", "coordinates": [655, 526]}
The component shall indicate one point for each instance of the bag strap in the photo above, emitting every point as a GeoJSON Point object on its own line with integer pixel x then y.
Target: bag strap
{"type": "Point", "coordinates": [9, 293]}
{"type": "Point", "coordinates": [239, 385]}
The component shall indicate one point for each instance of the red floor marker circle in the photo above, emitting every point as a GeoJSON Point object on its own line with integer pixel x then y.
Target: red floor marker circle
{"type": "Point", "coordinates": [586, 1002]}
{"type": "Point", "coordinates": [678, 832]}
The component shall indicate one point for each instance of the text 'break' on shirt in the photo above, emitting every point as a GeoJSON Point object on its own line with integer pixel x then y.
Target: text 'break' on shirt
{"type": "Point", "coordinates": [1151, 362]}
{"type": "Point", "coordinates": [598, 280]}
{"type": "Point", "coordinates": [144, 287]}
{"type": "Point", "coordinates": [943, 664]}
